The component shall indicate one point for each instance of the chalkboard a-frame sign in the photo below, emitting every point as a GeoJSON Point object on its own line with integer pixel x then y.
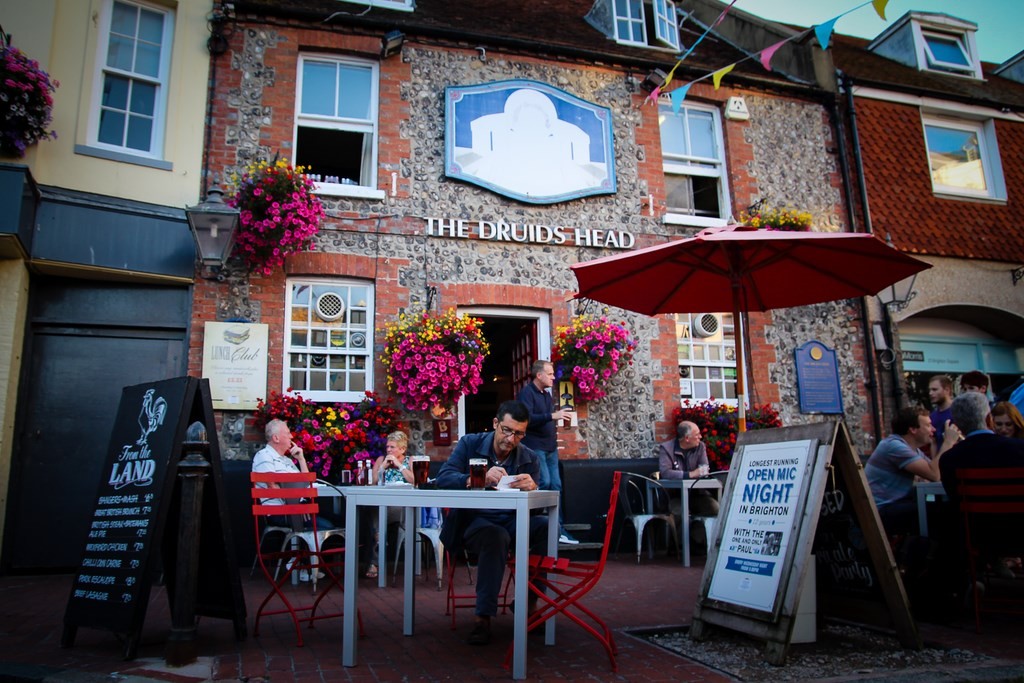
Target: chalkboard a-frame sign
{"type": "Point", "coordinates": [789, 489]}
{"type": "Point", "coordinates": [134, 529]}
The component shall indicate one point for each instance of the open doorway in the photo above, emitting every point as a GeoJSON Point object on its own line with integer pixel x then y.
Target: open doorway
{"type": "Point", "coordinates": [517, 338]}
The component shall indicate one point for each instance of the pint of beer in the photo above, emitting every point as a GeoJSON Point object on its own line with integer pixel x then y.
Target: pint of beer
{"type": "Point", "coordinates": [420, 469]}
{"type": "Point", "coordinates": [477, 473]}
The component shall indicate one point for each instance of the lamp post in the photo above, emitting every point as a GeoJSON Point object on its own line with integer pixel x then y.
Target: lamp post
{"type": "Point", "coordinates": [213, 224]}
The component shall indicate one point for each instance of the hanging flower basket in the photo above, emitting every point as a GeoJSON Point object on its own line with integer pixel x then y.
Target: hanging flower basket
{"type": "Point", "coordinates": [26, 102]}
{"type": "Point", "coordinates": [280, 215]}
{"type": "Point", "coordinates": [789, 220]}
{"type": "Point", "coordinates": [590, 352]}
{"type": "Point", "coordinates": [434, 360]}
{"type": "Point", "coordinates": [332, 435]}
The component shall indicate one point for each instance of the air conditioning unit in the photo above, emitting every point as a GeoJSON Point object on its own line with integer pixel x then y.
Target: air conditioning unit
{"type": "Point", "coordinates": [706, 325]}
{"type": "Point", "coordinates": [330, 306]}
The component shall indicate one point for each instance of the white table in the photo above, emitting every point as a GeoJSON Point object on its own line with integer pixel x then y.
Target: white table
{"type": "Point", "coordinates": [520, 502]}
{"type": "Point", "coordinates": [684, 485]}
{"type": "Point", "coordinates": [924, 489]}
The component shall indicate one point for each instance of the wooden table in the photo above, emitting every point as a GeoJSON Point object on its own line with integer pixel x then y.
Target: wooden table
{"type": "Point", "coordinates": [685, 485]}
{"type": "Point", "coordinates": [521, 502]}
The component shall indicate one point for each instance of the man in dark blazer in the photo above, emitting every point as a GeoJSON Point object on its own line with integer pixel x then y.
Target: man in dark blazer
{"type": "Point", "coordinates": [981, 448]}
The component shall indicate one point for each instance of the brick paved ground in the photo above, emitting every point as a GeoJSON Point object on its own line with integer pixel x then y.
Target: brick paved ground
{"type": "Point", "coordinates": [657, 592]}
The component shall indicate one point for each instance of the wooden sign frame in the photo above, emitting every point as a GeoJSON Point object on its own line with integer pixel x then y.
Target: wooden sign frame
{"type": "Point", "coordinates": [133, 534]}
{"type": "Point", "coordinates": [831, 454]}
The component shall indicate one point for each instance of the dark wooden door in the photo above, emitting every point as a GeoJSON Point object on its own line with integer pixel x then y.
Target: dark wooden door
{"type": "Point", "coordinates": [86, 342]}
{"type": "Point", "coordinates": [524, 353]}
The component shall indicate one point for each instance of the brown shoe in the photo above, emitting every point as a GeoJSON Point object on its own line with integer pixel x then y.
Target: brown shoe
{"type": "Point", "coordinates": [481, 633]}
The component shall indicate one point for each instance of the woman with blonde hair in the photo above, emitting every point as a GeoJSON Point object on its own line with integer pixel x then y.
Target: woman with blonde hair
{"type": "Point", "coordinates": [395, 468]}
{"type": "Point", "coordinates": [1007, 420]}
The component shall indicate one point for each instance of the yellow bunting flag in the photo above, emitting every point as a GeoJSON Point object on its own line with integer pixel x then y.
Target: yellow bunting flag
{"type": "Point", "coordinates": [717, 77]}
{"type": "Point", "coordinates": [879, 6]}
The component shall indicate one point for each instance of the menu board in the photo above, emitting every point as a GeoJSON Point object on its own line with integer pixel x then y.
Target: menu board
{"type": "Point", "coordinates": [136, 491]}
{"type": "Point", "coordinates": [841, 548]}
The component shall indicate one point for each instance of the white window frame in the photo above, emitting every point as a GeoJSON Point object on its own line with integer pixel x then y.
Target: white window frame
{"type": "Point", "coordinates": [631, 21]}
{"type": "Point", "coordinates": [964, 40]}
{"type": "Point", "coordinates": [400, 5]}
{"type": "Point", "coordinates": [988, 151]}
{"type": "Point", "coordinates": [368, 126]}
{"type": "Point", "coordinates": [666, 23]}
{"type": "Point", "coordinates": [367, 350]}
{"type": "Point", "coordinates": [697, 166]}
{"type": "Point", "coordinates": [666, 27]}
{"type": "Point", "coordinates": [724, 342]}
{"type": "Point", "coordinates": [161, 81]}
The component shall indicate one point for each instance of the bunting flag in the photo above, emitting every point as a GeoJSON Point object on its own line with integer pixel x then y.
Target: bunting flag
{"type": "Point", "coordinates": [716, 77]}
{"type": "Point", "coordinates": [823, 32]}
{"type": "Point", "coordinates": [706, 32]}
{"type": "Point", "coordinates": [769, 52]}
{"type": "Point", "coordinates": [678, 95]}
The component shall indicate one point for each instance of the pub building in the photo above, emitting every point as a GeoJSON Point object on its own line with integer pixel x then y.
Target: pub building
{"type": "Point", "coordinates": [467, 153]}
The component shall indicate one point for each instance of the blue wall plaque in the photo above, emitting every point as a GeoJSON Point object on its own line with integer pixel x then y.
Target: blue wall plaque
{"type": "Point", "coordinates": [817, 378]}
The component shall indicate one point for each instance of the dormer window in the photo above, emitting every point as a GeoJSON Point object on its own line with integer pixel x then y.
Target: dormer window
{"type": "Point", "coordinates": [931, 41]}
{"type": "Point", "coordinates": [946, 52]}
{"type": "Point", "coordinates": [644, 23]}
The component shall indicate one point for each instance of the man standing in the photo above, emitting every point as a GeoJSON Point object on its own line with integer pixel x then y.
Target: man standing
{"type": "Point", "coordinates": [976, 381]}
{"type": "Point", "coordinates": [686, 457]}
{"type": "Point", "coordinates": [895, 462]}
{"type": "Point", "coordinates": [541, 434]}
{"type": "Point", "coordinates": [940, 393]}
{"type": "Point", "coordinates": [490, 533]}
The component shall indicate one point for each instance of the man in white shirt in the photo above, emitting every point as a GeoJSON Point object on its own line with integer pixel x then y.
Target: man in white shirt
{"type": "Point", "coordinates": [282, 454]}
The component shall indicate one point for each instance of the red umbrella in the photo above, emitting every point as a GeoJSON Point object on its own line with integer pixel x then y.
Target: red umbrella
{"type": "Point", "coordinates": [739, 268]}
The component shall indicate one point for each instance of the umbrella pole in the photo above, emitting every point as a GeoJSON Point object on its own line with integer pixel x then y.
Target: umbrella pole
{"type": "Point", "coordinates": [739, 333]}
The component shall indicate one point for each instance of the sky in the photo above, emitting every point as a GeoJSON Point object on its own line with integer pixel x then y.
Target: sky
{"type": "Point", "coordinates": [1000, 22]}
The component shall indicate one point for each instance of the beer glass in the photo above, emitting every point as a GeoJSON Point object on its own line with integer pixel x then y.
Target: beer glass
{"type": "Point", "coordinates": [420, 469]}
{"type": "Point", "coordinates": [477, 473]}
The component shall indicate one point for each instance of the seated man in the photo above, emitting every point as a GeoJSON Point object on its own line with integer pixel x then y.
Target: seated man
{"type": "Point", "coordinates": [897, 460]}
{"type": "Point", "coordinates": [686, 457]}
{"type": "Point", "coordinates": [489, 533]}
{"type": "Point", "coordinates": [282, 454]}
{"type": "Point", "coordinates": [981, 447]}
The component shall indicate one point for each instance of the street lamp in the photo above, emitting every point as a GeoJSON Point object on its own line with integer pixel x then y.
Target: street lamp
{"type": "Point", "coordinates": [897, 294]}
{"type": "Point", "coordinates": [213, 224]}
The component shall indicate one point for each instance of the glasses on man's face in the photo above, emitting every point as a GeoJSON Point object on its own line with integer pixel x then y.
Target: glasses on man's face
{"type": "Point", "coordinates": [508, 431]}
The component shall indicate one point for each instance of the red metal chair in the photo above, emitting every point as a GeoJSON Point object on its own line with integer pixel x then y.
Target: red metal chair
{"type": "Point", "coordinates": [299, 494]}
{"type": "Point", "coordinates": [457, 601]}
{"type": "Point", "coordinates": [985, 492]}
{"type": "Point", "coordinates": [560, 583]}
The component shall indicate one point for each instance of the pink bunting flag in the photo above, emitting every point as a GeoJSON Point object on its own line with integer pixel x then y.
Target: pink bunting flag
{"type": "Point", "coordinates": [716, 77]}
{"type": "Point", "coordinates": [879, 6]}
{"type": "Point", "coordinates": [653, 97]}
{"type": "Point", "coordinates": [769, 52]}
